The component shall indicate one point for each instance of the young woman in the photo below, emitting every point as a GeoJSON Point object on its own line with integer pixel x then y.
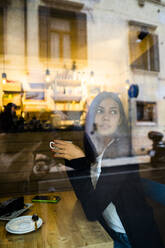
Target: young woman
{"type": "Point", "coordinates": [112, 194]}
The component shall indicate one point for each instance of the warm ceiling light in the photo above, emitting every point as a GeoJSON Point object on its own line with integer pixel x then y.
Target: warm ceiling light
{"type": "Point", "coordinates": [4, 77]}
{"type": "Point", "coordinates": [47, 73]}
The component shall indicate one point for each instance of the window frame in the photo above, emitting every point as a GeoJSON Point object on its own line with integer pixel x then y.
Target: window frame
{"type": "Point", "coordinates": [61, 37]}
{"type": "Point", "coordinates": [151, 65]}
{"type": "Point", "coordinates": [147, 123]}
{"type": "Point", "coordinates": [78, 23]}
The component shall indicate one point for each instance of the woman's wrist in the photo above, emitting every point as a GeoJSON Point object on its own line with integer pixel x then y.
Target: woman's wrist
{"type": "Point", "coordinates": [78, 163]}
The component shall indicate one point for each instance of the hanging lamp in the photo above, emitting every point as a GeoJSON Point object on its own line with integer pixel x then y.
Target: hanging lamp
{"type": "Point", "coordinates": [4, 78]}
{"type": "Point", "coordinates": [47, 75]}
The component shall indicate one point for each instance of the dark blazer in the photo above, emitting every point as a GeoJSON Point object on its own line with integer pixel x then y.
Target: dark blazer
{"type": "Point", "coordinates": [120, 185]}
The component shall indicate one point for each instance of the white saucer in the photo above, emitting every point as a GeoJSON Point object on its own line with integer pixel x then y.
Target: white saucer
{"type": "Point", "coordinates": [23, 224]}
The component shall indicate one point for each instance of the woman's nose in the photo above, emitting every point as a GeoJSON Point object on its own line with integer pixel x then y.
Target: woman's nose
{"type": "Point", "coordinates": [106, 117]}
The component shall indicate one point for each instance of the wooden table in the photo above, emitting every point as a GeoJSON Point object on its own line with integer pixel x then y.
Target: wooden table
{"type": "Point", "coordinates": [65, 226]}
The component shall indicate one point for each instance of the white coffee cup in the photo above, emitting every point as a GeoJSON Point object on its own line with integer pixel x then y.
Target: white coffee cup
{"type": "Point", "coordinates": [52, 144]}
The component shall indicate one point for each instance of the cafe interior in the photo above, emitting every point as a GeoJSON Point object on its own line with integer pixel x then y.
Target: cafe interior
{"type": "Point", "coordinates": [71, 92]}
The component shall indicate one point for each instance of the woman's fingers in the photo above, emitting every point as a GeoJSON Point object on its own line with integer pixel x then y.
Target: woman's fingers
{"type": "Point", "coordinates": [66, 150]}
{"type": "Point", "coordinates": [62, 144]}
{"type": "Point", "coordinates": [58, 151]}
{"type": "Point", "coordinates": [59, 141]}
{"type": "Point", "coordinates": [61, 155]}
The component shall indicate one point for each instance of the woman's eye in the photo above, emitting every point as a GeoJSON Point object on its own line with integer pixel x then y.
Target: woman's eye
{"type": "Point", "coordinates": [113, 112]}
{"type": "Point", "coordinates": [100, 111]}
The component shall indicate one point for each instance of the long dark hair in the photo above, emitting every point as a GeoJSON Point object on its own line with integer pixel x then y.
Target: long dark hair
{"type": "Point", "coordinates": [121, 144]}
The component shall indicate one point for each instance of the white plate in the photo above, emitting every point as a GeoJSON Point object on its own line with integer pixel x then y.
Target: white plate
{"type": "Point", "coordinates": [23, 224]}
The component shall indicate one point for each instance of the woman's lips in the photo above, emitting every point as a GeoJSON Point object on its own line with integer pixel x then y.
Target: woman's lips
{"type": "Point", "coordinates": [105, 126]}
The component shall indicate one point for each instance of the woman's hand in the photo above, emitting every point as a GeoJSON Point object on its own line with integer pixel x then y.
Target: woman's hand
{"type": "Point", "coordinates": [67, 150]}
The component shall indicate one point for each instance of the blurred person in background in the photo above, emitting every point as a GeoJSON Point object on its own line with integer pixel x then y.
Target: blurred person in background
{"type": "Point", "coordinates": [9, 119]}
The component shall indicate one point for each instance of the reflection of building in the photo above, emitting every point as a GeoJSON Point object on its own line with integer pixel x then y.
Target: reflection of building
{"type": "Point", "coordinates": [62, 33]}
{"type": "Point", "coordinates": [110, 43]}
{"type": "Point", "coordinates": [144, 49]}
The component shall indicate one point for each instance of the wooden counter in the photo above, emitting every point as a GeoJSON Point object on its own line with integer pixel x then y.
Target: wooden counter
{"type": "Point", "coordinates": [65, 226]}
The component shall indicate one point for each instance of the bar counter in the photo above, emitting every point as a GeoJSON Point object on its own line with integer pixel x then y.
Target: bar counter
{"type": "Point", "coordinates": [64, 226]}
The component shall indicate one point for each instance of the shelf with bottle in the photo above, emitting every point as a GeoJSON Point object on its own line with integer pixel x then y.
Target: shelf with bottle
{"type": "Point", "coordinates": [70, 106]}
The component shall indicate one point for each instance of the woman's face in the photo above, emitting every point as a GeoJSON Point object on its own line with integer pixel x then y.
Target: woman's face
{"type": "Point", "coordinates": [107, 117]}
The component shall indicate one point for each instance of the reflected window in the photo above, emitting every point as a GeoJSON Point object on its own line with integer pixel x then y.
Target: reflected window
{"type": "Point", "coordinates": [62, 35]}
{"type": "Point", "coordinates": [144, 50]}
{"type": "Point", "coordinates": [146, 111]}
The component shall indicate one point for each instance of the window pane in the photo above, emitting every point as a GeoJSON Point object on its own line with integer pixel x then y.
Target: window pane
{"type": "Point", "coordinates": [144, 52]}
{"type": "Point", "coordinates": [60, 24]}
{"type": "Point", "coordinates": [66, 46]}
{"type": "Point", "coordinates": [65, 77]}
{"type": "Point", "coordinates": [55, 45]}
{"type": "Point", "coordinates": [154, 54]}
{"type": "Point", "coordinates": [146, 111]}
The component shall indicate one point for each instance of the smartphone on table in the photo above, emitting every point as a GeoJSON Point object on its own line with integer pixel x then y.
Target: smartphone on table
{"type": "Point", "coordinates": [46, 199]}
